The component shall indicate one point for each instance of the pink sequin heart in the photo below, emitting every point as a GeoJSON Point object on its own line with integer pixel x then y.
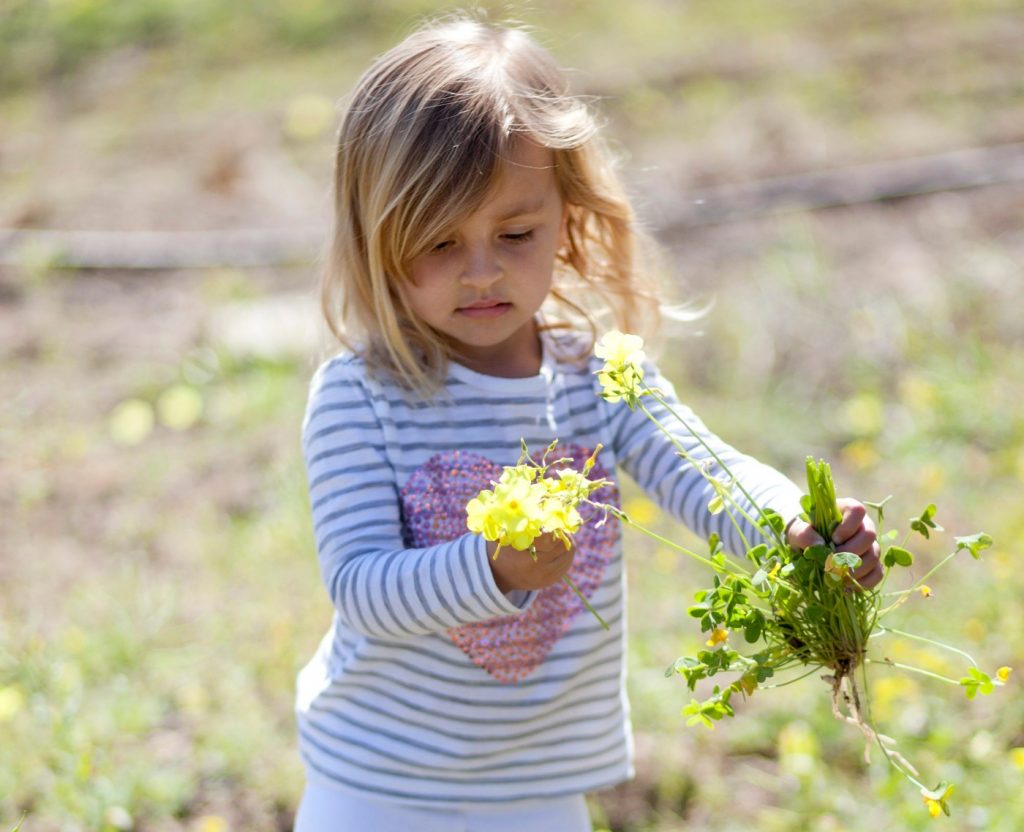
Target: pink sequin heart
{"type": "Point", "coordinates": [511, 647]}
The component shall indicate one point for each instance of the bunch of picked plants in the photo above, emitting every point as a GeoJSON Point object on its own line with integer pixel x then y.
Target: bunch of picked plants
{"type": "Point", "coordinates": [797, 612]}
{"type": "Point", "coordinates": [526, 502]}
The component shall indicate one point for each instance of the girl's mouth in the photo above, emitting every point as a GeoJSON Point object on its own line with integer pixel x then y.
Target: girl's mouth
{"type": "Point", "coordinates": [485, 309]}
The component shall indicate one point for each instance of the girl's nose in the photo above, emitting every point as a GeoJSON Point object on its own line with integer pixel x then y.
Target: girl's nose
{"type": "Point", "coordinates": [481, 268]}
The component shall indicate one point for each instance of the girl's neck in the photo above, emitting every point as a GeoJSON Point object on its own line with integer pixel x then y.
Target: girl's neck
{"type": "Point", "coordinates": [519, 357]}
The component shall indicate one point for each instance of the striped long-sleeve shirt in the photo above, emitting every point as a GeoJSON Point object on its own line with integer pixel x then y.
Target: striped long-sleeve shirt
{"type": "Point", "coordinates": [431, 686]}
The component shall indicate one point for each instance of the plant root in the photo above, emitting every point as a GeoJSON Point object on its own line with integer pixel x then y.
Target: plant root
{"type": "Point", "coordinates": [844, 689]}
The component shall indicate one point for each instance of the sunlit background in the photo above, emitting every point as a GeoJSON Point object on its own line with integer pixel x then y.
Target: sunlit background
{"type": "Point", "coordinates": [843, 184]}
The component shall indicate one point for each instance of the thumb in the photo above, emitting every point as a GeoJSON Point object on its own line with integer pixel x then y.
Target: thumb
{"type": "Point", "coordinates": [802, 534]}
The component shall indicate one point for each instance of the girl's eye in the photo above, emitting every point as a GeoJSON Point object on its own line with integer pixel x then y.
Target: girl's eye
{"type": "Point", "coordinates": [441, 246]}
{"type": "Point", "coordinates": [519, 238]}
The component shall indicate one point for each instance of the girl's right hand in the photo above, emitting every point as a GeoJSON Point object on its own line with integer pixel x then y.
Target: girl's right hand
{"type": "Point", "coordinates": [517, 570]}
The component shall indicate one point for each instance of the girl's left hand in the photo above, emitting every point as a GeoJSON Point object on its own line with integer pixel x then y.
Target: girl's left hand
{"type": "Point", "coordinates": [856, 533]}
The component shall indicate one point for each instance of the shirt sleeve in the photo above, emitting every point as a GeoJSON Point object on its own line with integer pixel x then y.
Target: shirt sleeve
{"type": "Point", "coordinates": [652, 459]}
{"type": "Point", "coordinates": [379, 586]}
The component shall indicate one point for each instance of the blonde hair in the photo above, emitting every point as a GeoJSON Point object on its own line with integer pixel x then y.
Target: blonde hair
{"type": "Point", "coordinates": [420, 147]}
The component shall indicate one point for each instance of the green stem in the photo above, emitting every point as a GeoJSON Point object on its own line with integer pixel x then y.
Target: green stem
{"type": "Point", "coordinates": [934, 569]}
{"type": "Point", "coordinates": [897, 766]}
{"type": "Point", "coordinates": [586, 603]}
{"type": "Point", "coordinates": [773, 533]}
{"type": "Point", "coordinates": [814, 669]}
{"type": "Point", "coordinates": [938, 676]}
{"type": "Point", "coordinates": [621, 515]}
{"type": "Point", "coordinates": [967, 656]}
{"type": "Point", "coordinates": [689, 458]}
{"type": "Point", "coordinates": [916, 585]}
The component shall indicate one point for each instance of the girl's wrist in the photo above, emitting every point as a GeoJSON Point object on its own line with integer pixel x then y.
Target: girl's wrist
{"type": "Point", "coordinates": [499, 580]}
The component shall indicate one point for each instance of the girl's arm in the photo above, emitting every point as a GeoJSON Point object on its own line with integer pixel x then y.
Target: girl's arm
{"type": "Point", "coordinates": [378, 585]}
{"type": "Point", "coordinates": [653, 461]}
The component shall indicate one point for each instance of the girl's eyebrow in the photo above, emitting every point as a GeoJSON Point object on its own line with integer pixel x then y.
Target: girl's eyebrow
{"type": "Point", "coordinates": [522, 208]}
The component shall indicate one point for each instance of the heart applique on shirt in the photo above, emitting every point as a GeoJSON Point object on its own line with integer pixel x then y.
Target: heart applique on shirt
{"type": "Point", "coordinates": [510, 647]}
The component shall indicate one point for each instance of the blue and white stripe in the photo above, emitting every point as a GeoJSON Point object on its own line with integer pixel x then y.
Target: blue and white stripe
{"type": "Point", "coordinates": [389, 705]}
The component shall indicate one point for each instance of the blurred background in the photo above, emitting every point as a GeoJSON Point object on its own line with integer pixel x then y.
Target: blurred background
{"type": "Point", "coordinates": [842, 182]}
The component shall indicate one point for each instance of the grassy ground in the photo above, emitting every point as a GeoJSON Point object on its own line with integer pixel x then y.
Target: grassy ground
{"type": "Point", "coordinates": [158, 587]}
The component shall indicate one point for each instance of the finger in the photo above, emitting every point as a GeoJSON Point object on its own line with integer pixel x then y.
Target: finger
{"type": "Point", "coordinates": [872, 578]}
{"type": "Point", "coordinates": [854, 516]}
{"type": "Point", "coordinates": [869, 561]}
{"type": "Point", "coordinates": [860, 544]}
{"type": "Point", "coordinates": [801, 535]}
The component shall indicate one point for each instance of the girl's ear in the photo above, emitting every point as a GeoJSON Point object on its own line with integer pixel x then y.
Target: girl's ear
{"type": "Point", "coordinates": [563, 227]}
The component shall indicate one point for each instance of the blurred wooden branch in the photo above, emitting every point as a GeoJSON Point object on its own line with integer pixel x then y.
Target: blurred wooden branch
{"type": "Point", "coordinates": [727, 203]}
{"type": "Point", "coordinates": [845, 186]}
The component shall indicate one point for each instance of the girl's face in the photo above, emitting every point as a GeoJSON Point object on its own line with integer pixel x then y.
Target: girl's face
{"type": "Point", "coordinates": [483, 282]}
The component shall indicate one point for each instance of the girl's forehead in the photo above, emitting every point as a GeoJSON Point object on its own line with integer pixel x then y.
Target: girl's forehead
{"type": "Point", "coordinates": [525, 184]}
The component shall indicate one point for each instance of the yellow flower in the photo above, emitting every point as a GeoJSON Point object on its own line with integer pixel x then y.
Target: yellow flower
{"type": "Point", "coordinates": [718, 635]}
{"type": "Point", "coordinates": [512, 513]}
{"type": "Point", "coordinates": [618, 349]}
{"type": "Point", "coordinates": [623, 354]}
{"type": "Point", "coordinates": [12, 700]}
{"type": "Point", "coordinates": [620, 383]}
{"type": "Point", "coordinates": [935, 800]}
{"type": "Point", "coordinates": [212, 823]}
{"type": "Point", "coordinates": [1004, 673]}
{"type": "Point", "coordinates": [522, 505]}
{"type": "Point", "coordinates": [925, 590]}
{"type": "Point", "coordinates": [560, 519]}
{"type": "Point", "coordinates": [717, 503]}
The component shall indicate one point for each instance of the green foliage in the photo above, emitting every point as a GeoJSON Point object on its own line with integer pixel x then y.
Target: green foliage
{"type": "Point", "coordinates": [924, 524]}
{"type": "Point", "coordinates": [928, 334]}
{"type": "Point", "coordinates": [977, 682]}
{"type": "Point", "coordinates": [974, 544]}
{"type": "Point", "coordinates": [54, 39]}
{"type": "Point", "coordinates": [803, 607]}
{"type": "Point", "coordinates": [897, 556]}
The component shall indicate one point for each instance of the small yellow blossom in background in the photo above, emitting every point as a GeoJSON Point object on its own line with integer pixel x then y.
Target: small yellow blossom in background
{"type": "Point", "coordinates": [975, 629]}
{"type": "Point", "coordinates": [131, 422]}
{"type": "Point", "coordinates": [890, 693]}
{"type": "Point", "coordinates": [1004, 673]}
{"type": "Point", "coordinates": [931, 477]}
{"type": "Point", "coordinates": [919, 394]}
{"type": "Point", "coordinates": [798, 749]}
{"type": "Point", "coordinates": [860, 454]}
{"type": "Point", "coordinates": [212, 823]}
{"type": "Point", "coordinates": [179, 407]}
{"type": "Point", "coordinates": [864, 414]}
{"type": "Point", "coordinates": [1017, 758]}
{"type": "Point", "coordinates": [12, 700]}
{"type": "Point", "coordinates": [641, 510]}
{"type": "Point", "coordinates": [925, 590]}
{"type": "Point", "coordinates": [718, 635]}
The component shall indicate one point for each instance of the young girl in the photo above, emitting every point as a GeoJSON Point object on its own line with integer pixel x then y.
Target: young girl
{"type": "Point", "coordinates": [480, 236]}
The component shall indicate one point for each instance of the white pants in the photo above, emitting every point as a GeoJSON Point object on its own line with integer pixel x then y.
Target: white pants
{"type": "Point", "coordinates": [324, 809]}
